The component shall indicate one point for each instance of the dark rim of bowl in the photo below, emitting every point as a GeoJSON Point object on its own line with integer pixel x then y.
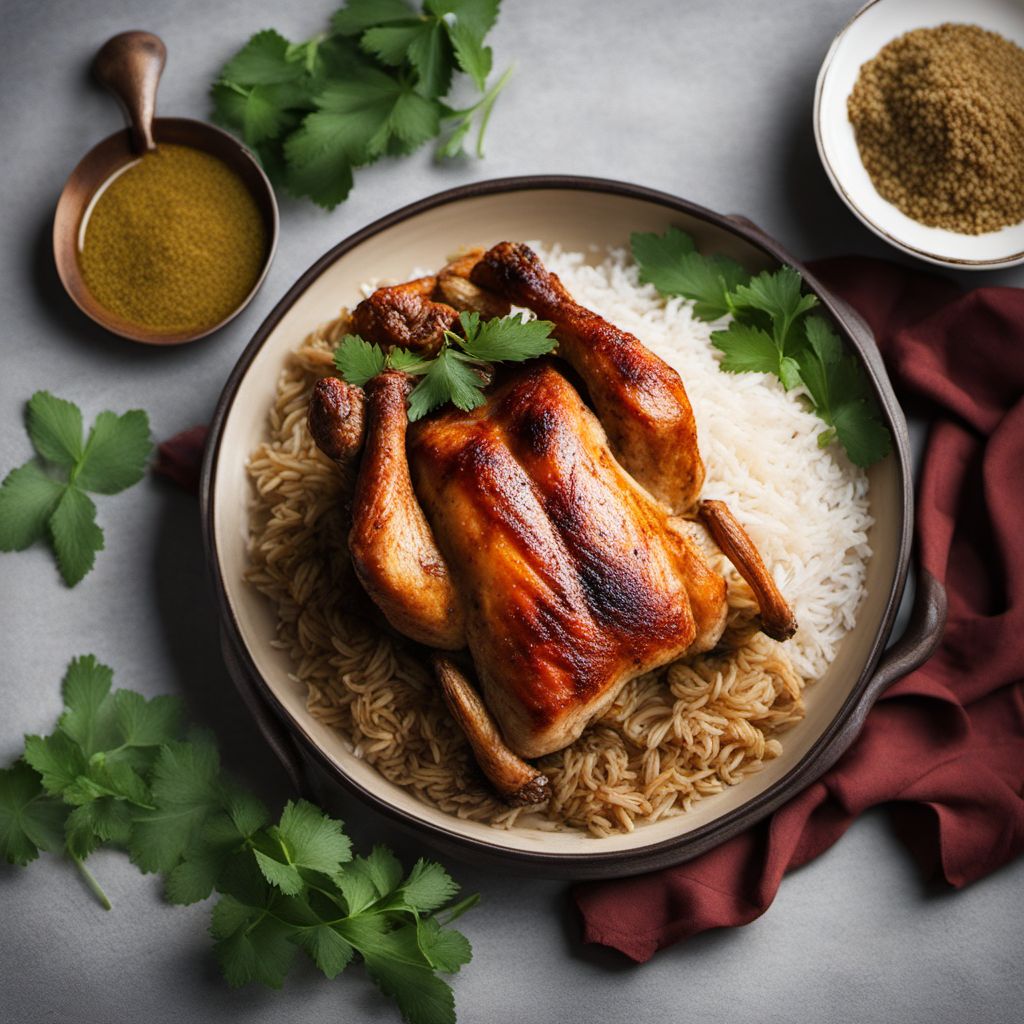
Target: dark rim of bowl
{"type": "Point", "coordinates": [826, 747]}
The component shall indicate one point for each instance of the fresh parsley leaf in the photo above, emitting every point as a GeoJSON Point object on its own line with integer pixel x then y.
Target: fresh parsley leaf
{"type": "Point", "coordinates": [359, 118]}
{"type": "Point", "coordinates": [358, 361]}
{"type": "Point", "coordinates": [146, 723]}
{"type": "Point", "coordinates": [657, 257]}
{"type": "Point", "coordinates": [259, 948]}
{"type": "Point", "coordinates": [395, 962]}
{"type": "Point", "coordinates": [358, 15]}
{"type": "Point", "coordinates": [407, 362]}
{"type": "Point", "coordinates": [384, 870]}
{"type": "Point", "coordinates": [449, 379]}
{"type": "Point", "coordinates": [103, 820]}
{"type": "Point", "coordinates": [27, 500]}
{"type": "Point", "coordinates": [428, 887]}
{"type": "Point", "coordinates": [30, 820]}
{"type": "Point", "coordinates": [674, 267]}
{"type": "Point", "coordinates": [371, 87]}
{"type": "Point", "coordinates": [262, 61]}
{"type": "Point", "coordinates": [185, 791]}
{"type": "Point", "coordinates": [58, 760]}
{"type": "Point", "coordinates": [325, 171]}
{"type": "Point", "coordinates": [423, 43]}
{"type": "Point", "coordinates": [116, 453]}
{"type": "Point", "coordinates": [841, 395]}
{"type": "Point", "coordinates": [310, 839]}
{"type": "Point", "coordinates": [770, 332]}
{"type": "Point", "coordinates": [506, 338]}
{"type": "Point", "coordinates": [390, 43]}
{"type": "Point", "coordinates": [777, 294]}
{"type": "Point", "coordinates": [89, 718]}
{"type": "Point", "coordinates": [326, 948]}
{"type": "Point", "coordinates": [455, 374]}
{"type": "Point", "coordinates": [474, 58]}
{"type": "Point", "coordinates": [357, 886]}
{"type": "Point", "coordinates": [34, 504]}
{"type": "Point", "coordinates": [747, 349]}
{"type": "Point", "coordinates": [116, 759]}
{"type": "Point", "coordinates": [80, 836]}
{"type": "Point", "coordinates": [445, 950]}
{"type": "Point", "coordinates": [55, 427]}
{"type": "Point", "coordinates": [861, 433]}
{"type": "Point", "coordinates": [74, 534]}
{"type": "Point", "coordinates": [476, 16]}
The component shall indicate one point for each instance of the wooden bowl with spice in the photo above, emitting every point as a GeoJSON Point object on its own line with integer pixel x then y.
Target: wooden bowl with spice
{"type": "Point", "coordinates": [164, 231]}
{"type": "Point", "coordinates": [919, 122]}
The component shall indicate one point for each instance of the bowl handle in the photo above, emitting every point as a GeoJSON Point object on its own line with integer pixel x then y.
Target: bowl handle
{"type": "Point", "coordinates": [918, 642]}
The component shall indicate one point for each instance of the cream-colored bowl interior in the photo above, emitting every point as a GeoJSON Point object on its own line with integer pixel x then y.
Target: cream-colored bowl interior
{"type": "Point", "coordinates": [579, 220]}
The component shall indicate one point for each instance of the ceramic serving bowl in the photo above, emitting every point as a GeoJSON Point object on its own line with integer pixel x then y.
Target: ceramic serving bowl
{"type": "Point", "coordinates": [578, 213]}
{"type": "Point", "coordinates": [875, 25]}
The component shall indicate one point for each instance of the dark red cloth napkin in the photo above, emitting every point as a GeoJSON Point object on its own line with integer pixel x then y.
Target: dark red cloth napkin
{"type": "Point", "coordinates": [947, 740]}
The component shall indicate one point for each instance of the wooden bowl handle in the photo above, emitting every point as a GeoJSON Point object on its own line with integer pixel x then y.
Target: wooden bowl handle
{"type": "Point", "coordinates": [130, 65]}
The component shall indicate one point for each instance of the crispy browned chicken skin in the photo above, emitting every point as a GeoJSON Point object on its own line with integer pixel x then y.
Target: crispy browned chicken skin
{"type": "Point", "coordinates": [523, 531]}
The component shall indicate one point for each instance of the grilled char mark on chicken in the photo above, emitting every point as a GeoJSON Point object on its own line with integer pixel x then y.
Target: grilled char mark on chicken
{"type": "Point", "coordinates": [518, 783]}
{"type": "Point", "coordinates": [570, 572]}
{"type": "Point", "coordinates": [777, 618]}
{"type": "Point", "coordinates": [638, 397]}
{"type": "Point", "coordinates": [393, 551]}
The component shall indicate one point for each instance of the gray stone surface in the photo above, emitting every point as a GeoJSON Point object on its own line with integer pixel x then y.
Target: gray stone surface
{"type": "Point", "coordinates": [710, 100]}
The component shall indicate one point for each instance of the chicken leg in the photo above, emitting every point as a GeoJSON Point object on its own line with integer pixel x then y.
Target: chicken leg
{"type": "Point", "coordinates": [777, 618]}
{"type": "Point", "coordinates": [393, 551]}
{"type": "Point", "coordinates": [517, 782]}
{"type": "Point", "coordinates": [638, 397]}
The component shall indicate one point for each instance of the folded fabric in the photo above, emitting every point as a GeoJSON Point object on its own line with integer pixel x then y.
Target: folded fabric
{"type": "Point", "coordinates": [947, 741]}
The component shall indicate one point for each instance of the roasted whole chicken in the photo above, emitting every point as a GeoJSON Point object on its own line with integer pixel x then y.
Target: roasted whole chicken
{"type": "Point", "coordinates": [541, 533]}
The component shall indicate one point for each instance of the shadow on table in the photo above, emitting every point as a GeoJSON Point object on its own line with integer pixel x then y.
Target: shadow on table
{"type": "Point", "coordinates": [188, 619]}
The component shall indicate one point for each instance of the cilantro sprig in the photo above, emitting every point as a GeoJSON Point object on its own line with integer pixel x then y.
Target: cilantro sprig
{"type": "Point", "coordinates": [771, 331]}
{"type": "Point", "coordinates": [458, 373]}
{"type": "Point", "coordinates": [374, 84]}
{"type": "Point", "coordinates": [118, 771]}
{"type": "Point", "coordinates": [46, 497]}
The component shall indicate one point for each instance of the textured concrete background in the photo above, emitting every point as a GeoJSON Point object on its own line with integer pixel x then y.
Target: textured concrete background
{"type": "Point", "coordinates": [710, 100]}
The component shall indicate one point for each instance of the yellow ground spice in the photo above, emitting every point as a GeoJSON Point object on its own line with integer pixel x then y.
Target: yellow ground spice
{"type": "Point", "coordinates": [174, 243]}
{"type": "Point", "coordinates": [939, 119]}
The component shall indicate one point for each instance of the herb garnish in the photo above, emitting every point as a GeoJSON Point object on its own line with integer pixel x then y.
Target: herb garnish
{"type": "Point", "coordinates": [47, 496]}
{"type": "Point", "coordinates": [371, 86]}
{"type": "Point", "coordinates": [770, 332]}
{"type": "Point", "coordinates": [117, 772]}
{"type": "Point", "coordinates": [458, 373]}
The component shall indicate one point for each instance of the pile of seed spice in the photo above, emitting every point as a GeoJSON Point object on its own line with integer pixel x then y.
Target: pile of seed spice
{"type": "Point", "coordinates": [174, 243]}
{"type": "Point", "coordinates": [939, 120]}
